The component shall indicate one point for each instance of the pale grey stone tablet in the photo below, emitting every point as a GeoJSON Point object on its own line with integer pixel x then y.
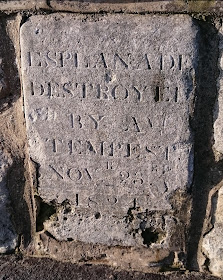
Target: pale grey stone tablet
{"type": "Point", "coordinates": [107, 105]}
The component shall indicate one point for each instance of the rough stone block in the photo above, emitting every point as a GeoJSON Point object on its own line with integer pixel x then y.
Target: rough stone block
{"type": "Point", "coordinates": [212, 242]}
{"type": "Point", "coordinates": [204, 6]}
{"type": "Point", "coordinates": [107, 105]}
{"type": "Point", "coordinates": [8, 67]}
{"type": "Point", "coordinates": [117, 6]}
{"type": "Point", "coordinates": [173, 6]}
{"type": "Point", "coordinates": [133, 6]}
{"type": "Point", "coordinates": [17, 5]}
{"type": "Point", "coordinates": [218, 113]}
{"type": "Point", "coordinates": [212, 245]}
{"type": "Point", "coordinates": [8, 236]}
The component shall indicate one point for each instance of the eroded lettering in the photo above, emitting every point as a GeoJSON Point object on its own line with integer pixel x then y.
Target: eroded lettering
{"type": "Point", "coordinates": [113, 61]}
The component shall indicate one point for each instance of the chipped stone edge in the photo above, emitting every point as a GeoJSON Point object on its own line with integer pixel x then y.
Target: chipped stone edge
{"type": "Point", "coordinates": [133, 6]}
{"type": "Point", "coordinates": [209, 225]}
{"type": "Point", "coordinates": [25, 5]}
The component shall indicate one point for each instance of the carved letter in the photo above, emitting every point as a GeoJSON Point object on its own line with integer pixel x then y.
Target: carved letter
{"type": "Point", "coordinates": [102, 93]}
{"type": "Point", "coordinates": [57, 172]}
{"type": "Point", "coordinates": [74, 174]}
{"type": "Point", "coordinates": [180, 62]}
{"type": "Point", "coordinates": [119, 92]}
{"type": "Point", "coordinates": [75, 120]}
{"type": "Point", "coordinates": [67, 88]}
{"type": "Point", "coordinates": [122, 63]}
{"type": "Point", "coordinates": [90, 148]}
{"type": "Point", "coordinates": [100, 62]}
{"type": "Point", "coordinates": [96, 122]}
{"type": "Point", "coordinates": [134, 123]}
{"type": "Point", "coordinates": [51, 61]}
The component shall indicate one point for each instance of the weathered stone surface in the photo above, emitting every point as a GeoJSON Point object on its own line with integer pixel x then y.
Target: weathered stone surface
{"type": "Point", "coordinates": [107, 104]}
{"type": "Point", "coordinates": [8, 236]}
{"type": "Point", "coordinates": [212, 245]}
{"type": "Point", "coordinates": [117, 6]}
{"type": "Point", "coordinates": [13, 138]}
{"type": "Point", "coordinates": [173, 6]}
{"type": "Point", "coordinates": [16, 5]}
{"type": "Point", "coordinates": [123, 258]}
{"type": "Point", "coordinates": [212, 242]}
{"type": "Point", "coordinates": [203, 6]}
{"type": "Point", "coordinates": [9, 92]}
{"type": "Point", "coordinates": [7, 65]}
{"type": "Point", "coordinates": [139, 6]}
{"type": "Point", "coordinates": [218, 113]}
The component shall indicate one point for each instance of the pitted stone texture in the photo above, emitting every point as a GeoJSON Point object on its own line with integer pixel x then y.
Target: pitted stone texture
{"type": "Point", "coordinates": [7, 64]}
{"type": "Point", "coordinates": [107, 105]}
{"type": "Point", "coordinates": [212, 242]}
{"type": "Point", "coordinates": [118, 6]}
{"type": "Point", "coordinates": [17, 5]}
{"type": "Point", "coordinates": [218, 114]}
{"type": "Point", "coordinates": [96, 6]}
{"type": "Point", "coordinates": [8, 236]}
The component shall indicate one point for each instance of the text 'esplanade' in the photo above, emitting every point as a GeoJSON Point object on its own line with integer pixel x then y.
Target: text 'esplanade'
{"type": "Point", "coordinates": [113, 61]}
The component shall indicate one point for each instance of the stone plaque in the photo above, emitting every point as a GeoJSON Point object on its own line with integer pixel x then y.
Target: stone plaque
{"type": "Point", "coordinates": [107, 104]}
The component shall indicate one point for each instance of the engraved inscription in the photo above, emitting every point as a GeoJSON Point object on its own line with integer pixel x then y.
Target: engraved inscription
{"type": "Point", "coordinates": [106, 92]}
{"type": "Point", "coordinates": [113, 61]}
{"type": "Point", "coordinates": [107, 107]}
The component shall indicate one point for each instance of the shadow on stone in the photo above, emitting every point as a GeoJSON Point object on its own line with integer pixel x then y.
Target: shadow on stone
{"type": "Point", "coordinates": [206, 174]}
{"type": "Point", "coordinates": [149, 236]}
{"type": "Point", "coordinates": [44, 212]}
{"type": "Point", "coordinates": [10, 89]}
{"type": "Point", "coordinates": [12, 136]}
{"type": "Point", "coordinates": [19, 197]}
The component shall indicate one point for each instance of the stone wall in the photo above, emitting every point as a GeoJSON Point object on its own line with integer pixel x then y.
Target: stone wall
{"type": "Point", "coordinates": [111, 133]}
